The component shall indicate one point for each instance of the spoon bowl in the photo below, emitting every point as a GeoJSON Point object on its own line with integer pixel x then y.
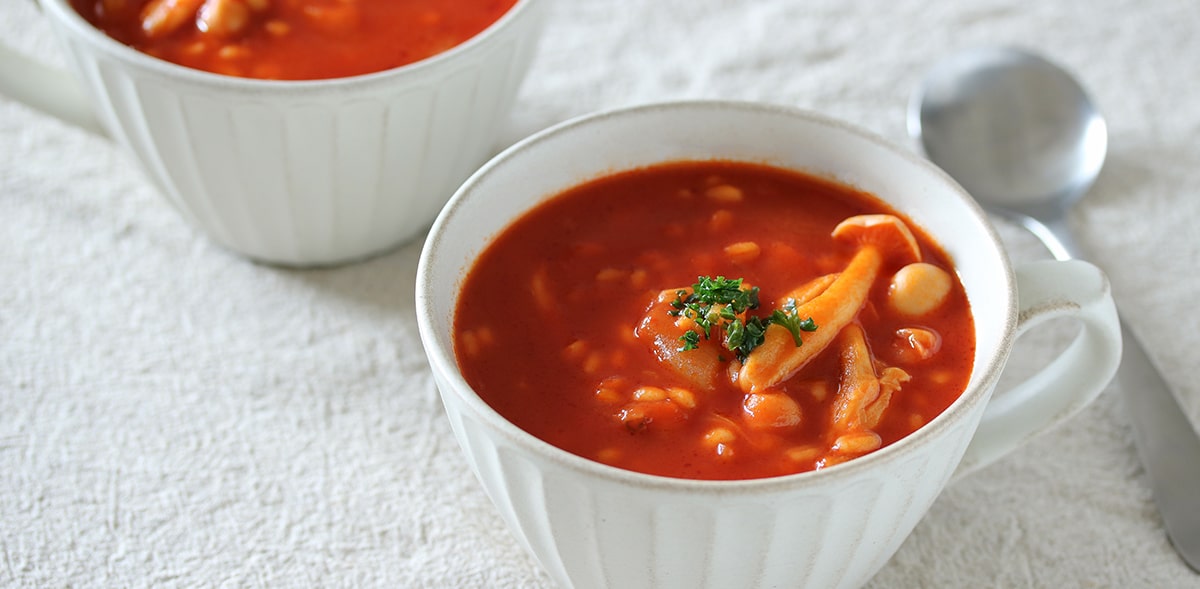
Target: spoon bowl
{"type": "Point", "coordinates": [1017, 131]}
{"type": "Point", "coordinates": [1022, 137]}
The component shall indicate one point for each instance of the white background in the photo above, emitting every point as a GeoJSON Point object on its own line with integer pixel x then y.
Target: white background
{"type": "Point", "coordinates": [172, 415]}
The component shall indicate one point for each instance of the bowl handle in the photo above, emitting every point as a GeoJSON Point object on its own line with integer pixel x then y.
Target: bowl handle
{"type": "Point", "coordinates": [48, 89]}
{"type": "Point", "coordinates": [1049, 290]}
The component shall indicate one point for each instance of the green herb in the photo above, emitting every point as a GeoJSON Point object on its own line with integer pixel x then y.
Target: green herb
{"type": "Point", "coordinates": [717, 302]}
{"type": "Point", "coordinates": [723, 291]}
{"type": "Point", "coordinates": [789, 318]}
{"type": "Point", "coordinates": [691, 341]}
{"type": "Point", "coordinates": [741, 338]}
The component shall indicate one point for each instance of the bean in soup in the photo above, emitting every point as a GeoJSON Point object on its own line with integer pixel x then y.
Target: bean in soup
{"type": "Point", "coordinates": [292, 39]}
{"type": "Point", "coordinates": [715, 320]}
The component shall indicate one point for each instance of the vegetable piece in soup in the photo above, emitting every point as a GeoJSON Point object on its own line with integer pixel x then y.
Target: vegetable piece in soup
{"type": "Point", "coordinates": [715, 320]}
{"type": "Point", "coordinates": [292, 39]}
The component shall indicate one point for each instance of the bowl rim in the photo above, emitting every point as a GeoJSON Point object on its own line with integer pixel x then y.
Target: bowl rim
{"type": "Point", "coordinates": [443, 363]}
{"type": "Point", "coordinates": [99, 41]}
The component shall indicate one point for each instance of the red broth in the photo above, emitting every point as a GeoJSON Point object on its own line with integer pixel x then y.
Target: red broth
{"type": "Point", "coordinates": [292, 39]}
{"type": "Point", "coordinates": [556, 324]}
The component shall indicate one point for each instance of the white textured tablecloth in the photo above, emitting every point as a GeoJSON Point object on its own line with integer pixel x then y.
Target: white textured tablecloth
{"type": "Point", "coordinates": [172, 415]}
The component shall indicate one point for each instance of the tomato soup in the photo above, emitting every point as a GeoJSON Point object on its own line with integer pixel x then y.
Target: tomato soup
{"type": "Point", "coordinates": [715, 320]}
{"type": "Point", "coordinates": [292, 39]}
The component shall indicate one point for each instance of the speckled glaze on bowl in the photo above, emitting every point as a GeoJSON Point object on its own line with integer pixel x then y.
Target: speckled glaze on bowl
{"type": "Point", "coordinates": [593, 525]}
{"type": "Point", "coordinates": [298, 173]}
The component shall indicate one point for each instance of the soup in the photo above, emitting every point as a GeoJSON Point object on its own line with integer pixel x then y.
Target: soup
{"type": "Point", "coordinates": [292, 39]}
{"type": "Point", "coordinates": [715, 320]}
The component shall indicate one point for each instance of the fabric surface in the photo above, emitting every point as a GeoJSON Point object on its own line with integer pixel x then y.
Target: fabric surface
{"type": "Point", "coordinates": [173, 415]}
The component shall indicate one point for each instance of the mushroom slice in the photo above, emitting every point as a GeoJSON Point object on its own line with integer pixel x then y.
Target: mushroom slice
{"type": "Point", "coordinates": [862, 396]}
{"type": "Point", "coordinates": [886, 232]}
{"type": "Point", "coordinates": [881, 238]}
{"type": "Point", "coordinates": [811, 289]}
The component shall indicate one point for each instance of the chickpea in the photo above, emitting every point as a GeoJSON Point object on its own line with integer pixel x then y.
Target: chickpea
{"type": "Point", "coordinates": [682, 397]}
{"type": "Point", "coordinates": [110, 7]}
{"type": "Point", "coordinates": [638, 416]}
{"type": "Point", "coordinates": [336, 19]}
{"type": "Point", "coordinates": [719, 440]}
{"type": "Point", "coordinates": [486, 335]}
{"type": "Point", "coordinates": [223, 18]}
{"type": "Point", "coordinates": [608, 455]}
{"type": "Point", "coordinates": [609, 391]}
{"type": "Point", "coordinates": [719, 435]}
{"type": "Point", "coordinates": [721, 220]}
{"type": "Point", "coordinates": [743, 251]}
{"type": "Point", "coordinates": [733, 371]}
{"type": "Point", "coordinates": [771, 411]}
{"type": "Point", "coordinates": [819, 389]}
{"type": "Point", "coordinates": [648, 393]}
{"type": "Point", "coordinates": [724, 193]}
{"type": "Point", "coordinates": [195, 48]}
{"type": "Point", "coordinates": [637, 278]}
{"type": "Point", "coordinates": [610, 275]}
{"type": "Point", "coordinates": [803, 453]}
{"type": "Point", "coordinates": [593, 363]}
{"type": "Point", "coordinates": [277, 28]}
{"type": "Point", "coordinates": [618, 358]}
{"type": "Point", "coordinates": [576, 349]}
{"type": "Point", "coordinates": [470, 343]}
{"type": "Point", "coordinates": [233, 52]}
{"type": "Point", "coordinates": [915, 421]}
{"type": "Point", "coordinates": [539, 287]}
{"type": "Point", "coordinates": [918, 288]}
{"type": "Point", "coordinates": [163, 17]}
{"type": "Point", "coordinates": [858, 442]}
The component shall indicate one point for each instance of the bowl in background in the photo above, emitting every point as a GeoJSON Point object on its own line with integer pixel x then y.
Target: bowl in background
{"type": "Point", "coordinates": [296, 173]}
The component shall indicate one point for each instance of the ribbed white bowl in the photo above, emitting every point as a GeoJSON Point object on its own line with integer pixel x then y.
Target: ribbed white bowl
{"type": "Point", "coordinates": [611, 529]}
{"type": "Point", "coordinates": [307, 172]}
{"type": "Point", "coordinates": [593, 525]}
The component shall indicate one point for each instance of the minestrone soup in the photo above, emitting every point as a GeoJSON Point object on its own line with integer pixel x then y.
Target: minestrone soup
{"type": "Point", "coordinates": [715, 320]}
{"type": "Point", "coordinates": [292, 39]}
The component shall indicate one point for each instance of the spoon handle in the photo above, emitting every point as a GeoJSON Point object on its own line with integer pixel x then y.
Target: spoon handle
{"type": "Point", "coordinates": [1167, 444]}
{"type": "Point", "coordinates": [1166, 441]}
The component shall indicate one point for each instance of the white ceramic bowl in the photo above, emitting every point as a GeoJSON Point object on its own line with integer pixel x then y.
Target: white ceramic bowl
{"type": "Point", "coordinates": [293, 172]}
{"type": "Point", "coordinates": [593, 525]}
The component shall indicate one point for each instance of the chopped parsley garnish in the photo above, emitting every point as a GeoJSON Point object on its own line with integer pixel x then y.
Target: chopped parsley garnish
{"type": "Point", "coordinates": [721, 290]}
{"type": "Point", "coordinates": [717, 302]}
{"type": "Point", "coordinates": [691, 341]}
{"type": "Point", "coordinates": [789, 318]}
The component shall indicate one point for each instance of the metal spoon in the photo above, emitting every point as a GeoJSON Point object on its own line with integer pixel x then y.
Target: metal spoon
{"type": "Point", "coordinates": [1022, 136]}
